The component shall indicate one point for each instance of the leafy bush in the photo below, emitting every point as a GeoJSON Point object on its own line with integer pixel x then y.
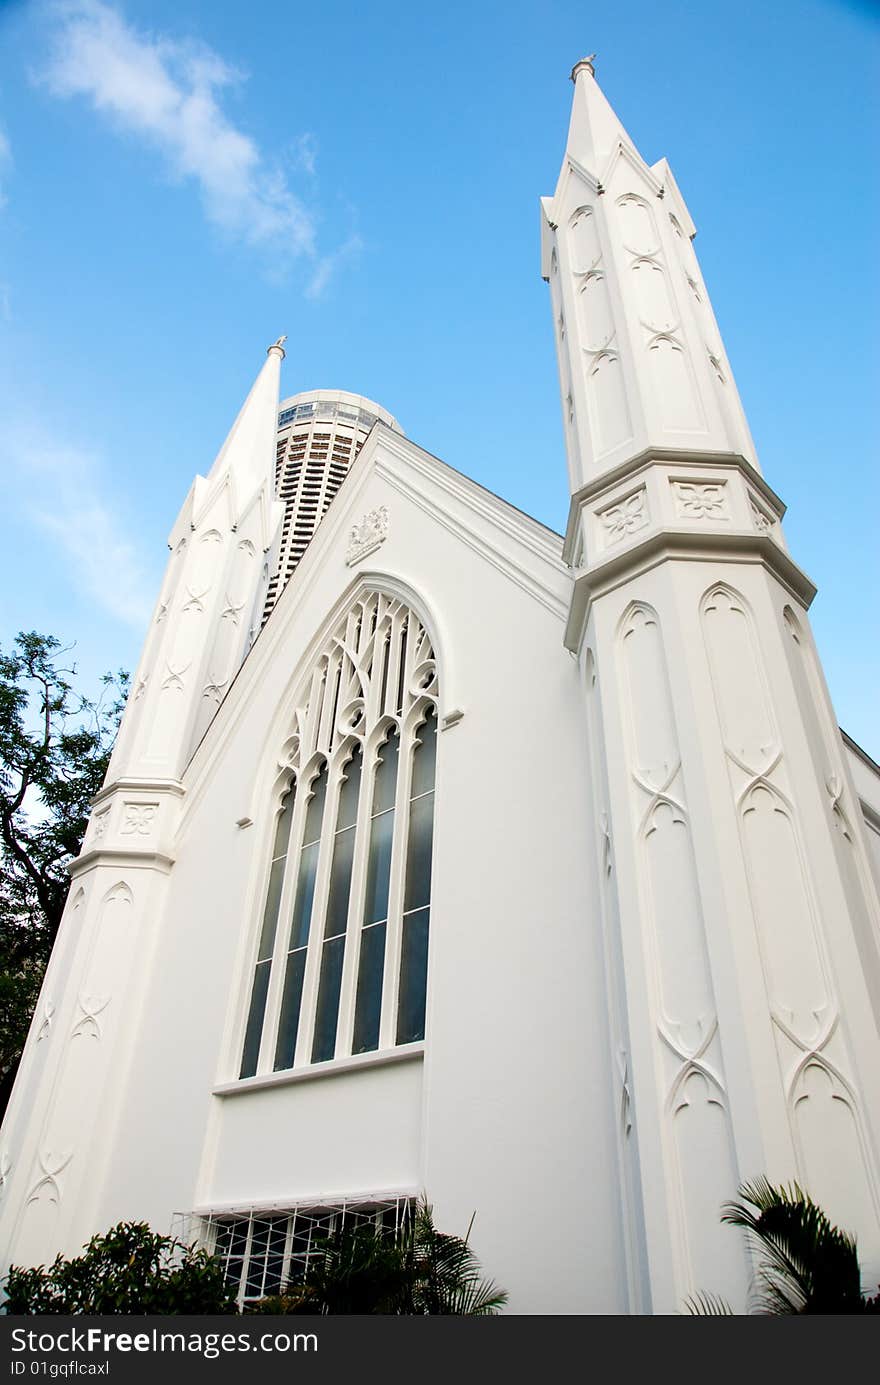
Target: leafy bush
{"type": "Point", "coordinates": [129, 1270]}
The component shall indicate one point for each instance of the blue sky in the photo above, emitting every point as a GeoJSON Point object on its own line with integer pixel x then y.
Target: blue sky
{"type": "Point", "coordinates": [181, 183]}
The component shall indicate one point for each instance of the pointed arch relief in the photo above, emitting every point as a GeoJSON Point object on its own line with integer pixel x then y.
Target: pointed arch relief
{"type": "Point", "coordinates": [638, 227]}
{"type": "Point", "coordinates": [594, 311]}
{"type": "Point", "coordinates": [739, 682]}
{"type": "Point", "coordinates": [833, 1150]}
{"type": "Point", "coordinates": [674, 388]}
{"type": "Point", "coordinates": [653, 295]}
{"type": "Point", "coordinates": [109, 960]}
{"type": "Point", "coordinates": [655, 754]}
{"type": "Point", "coordinates": [586, 249]}
{"type": "Point", "coordinates": [609, 408]}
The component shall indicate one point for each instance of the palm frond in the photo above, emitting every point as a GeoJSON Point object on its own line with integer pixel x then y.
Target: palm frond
{"type": "Point", "coordinates": [808, 1265]}
{"type": "Point", "coordinates": [708, 1306]}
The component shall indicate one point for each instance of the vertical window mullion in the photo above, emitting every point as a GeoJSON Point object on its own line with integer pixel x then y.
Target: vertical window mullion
{"type": "Point", "coordinates": [391, 969]}
{"type": "Point", "coordinates": [338, 909]}
{"type": "Point", "coordinates": [391, 676]}
{"type": "Point", "coordinates": [261, 973]}
{"type": "Point", "coordinates": [282, 932]}
{"type": "Point", "coordinates": [345, 1023]}
{"type": "Point", "coordinates": [412, 995]}
{"type": "Point", "coordinates": [300, 925]}
{"type": "Point", "coordinates": [319, 911]}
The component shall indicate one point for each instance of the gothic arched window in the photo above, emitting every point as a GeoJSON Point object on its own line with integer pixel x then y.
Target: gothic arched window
{"type": "Point", "coordinates": [342, 956]}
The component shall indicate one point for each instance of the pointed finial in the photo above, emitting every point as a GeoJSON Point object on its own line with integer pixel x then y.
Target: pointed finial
{"type": "Point", "coordinates": [587, 63]}
{"type": "Point", "coordinates": [278, 346]}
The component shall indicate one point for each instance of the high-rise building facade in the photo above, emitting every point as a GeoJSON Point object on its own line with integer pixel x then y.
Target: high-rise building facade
{"type": "Point", "coordinates": [443, 853]}
{"type": "Point", "coordinates": [319, 435]}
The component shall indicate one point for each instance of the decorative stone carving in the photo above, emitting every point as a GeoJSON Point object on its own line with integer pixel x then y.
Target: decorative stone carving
{"type": "Point", "coordinates": [835, 794]}
{"type": "Point", "coordinates": [625, 1094]}
{"type": "Point", "coordinates": [367, 536]}
{"type": "Point", "coordinates": [174, 676]}
{"type": "Point", "coordinates": [46, 1022]}
{"type": "Point", "coordinates": [625, 516]}
{"type": "Point", "coordinates": [605, 837]}
{"type": "Point", "coordinates": [88, 1023]}
{"type": "Point", "coordinates": [47, 1187]}
{"type": "Point", "coordinates": [99, 826]}
{"type": "Point", "coordinates": [137, 819]}
{"type": "Point", "coordinates": [231, 611]}
{"type": "Point", "coordinates": [213, 690]}
{"type": "Point", "coordinates": [763, 521]}
{"type": "Point", "coordinates": [708, 501]}
{"type": "Point", "coordinates": [195, 602]}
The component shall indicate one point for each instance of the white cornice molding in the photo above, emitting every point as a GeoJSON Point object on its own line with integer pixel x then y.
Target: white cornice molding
{"type": "Point", "coordinates": [737, 546]}
{"type": "Point", "coordinates": [120, 860]}
{"type": "Point", "coordinates": [136, 785]}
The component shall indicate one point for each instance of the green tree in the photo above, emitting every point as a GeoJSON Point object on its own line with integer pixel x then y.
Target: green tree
{"type": "Point", "coordinates": [415, 1271]}
{"type": "Point", "coordinates": [55, 745]}
{"type": "Point", "coordinates": [129, 1270]}
{"type": "Point", "coordinates": [805, 1264]}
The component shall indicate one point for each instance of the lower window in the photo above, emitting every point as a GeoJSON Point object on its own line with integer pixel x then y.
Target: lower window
{"type": "Point", "coordinates": [266, 1253]}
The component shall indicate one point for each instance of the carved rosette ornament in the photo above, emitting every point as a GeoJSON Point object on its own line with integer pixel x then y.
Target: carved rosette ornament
{"type": "Point", "coordinates": [700, 502]}
{"type": "Point", "coordinates": [367, 536]}
{"type": "Point", "coordinates": [625, 517]}
{"type": "Point", "coordinates": [138, 819]}
{"type": "Point", "coordinates": [763, 521]}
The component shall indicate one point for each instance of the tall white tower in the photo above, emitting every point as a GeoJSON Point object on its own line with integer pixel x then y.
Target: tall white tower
{"type": "Point", "coordinates": [739, 914]}
{"type": "Point", "coordinates": [66, 1103]}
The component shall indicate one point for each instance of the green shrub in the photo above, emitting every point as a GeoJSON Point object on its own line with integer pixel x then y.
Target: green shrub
{"type": "Point", "coordinates": [129, 1270]}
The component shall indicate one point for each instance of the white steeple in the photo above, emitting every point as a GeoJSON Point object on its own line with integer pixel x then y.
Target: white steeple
{"type": "Point", "coordinates": [641, 360]}
{"type": "Point", "coordinates": [213, 591]}
{"type": "Point", "coordinates": [594, 129]}
{"type": "Point", "coordinates": [251, 439]}
{"type": "Point", "coordinates": [729, 874]}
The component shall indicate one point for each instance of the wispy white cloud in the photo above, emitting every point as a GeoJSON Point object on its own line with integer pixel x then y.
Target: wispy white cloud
{"type": "Point", "coordinates": [59, 490]}
{"type": "Point", "coordinates": [304, 153]}
{"type": "Point", "coordinates": [169, 92]}
{"type": "Point", "coordinates": [327, 265]}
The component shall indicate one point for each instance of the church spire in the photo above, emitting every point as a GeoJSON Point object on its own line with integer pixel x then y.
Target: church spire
{"type": "Point", "coordinates": [213, 593]}
{"type": "Point", "coordinates": [248, 454]}
{"type": "Point", "coordinates": [640, 356]}
{"type": "Point", "coordinates": [594, 129]}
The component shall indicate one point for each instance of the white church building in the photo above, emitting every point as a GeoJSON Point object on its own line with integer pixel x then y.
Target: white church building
{"type": "Point", "coordinates": [440, 853]}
